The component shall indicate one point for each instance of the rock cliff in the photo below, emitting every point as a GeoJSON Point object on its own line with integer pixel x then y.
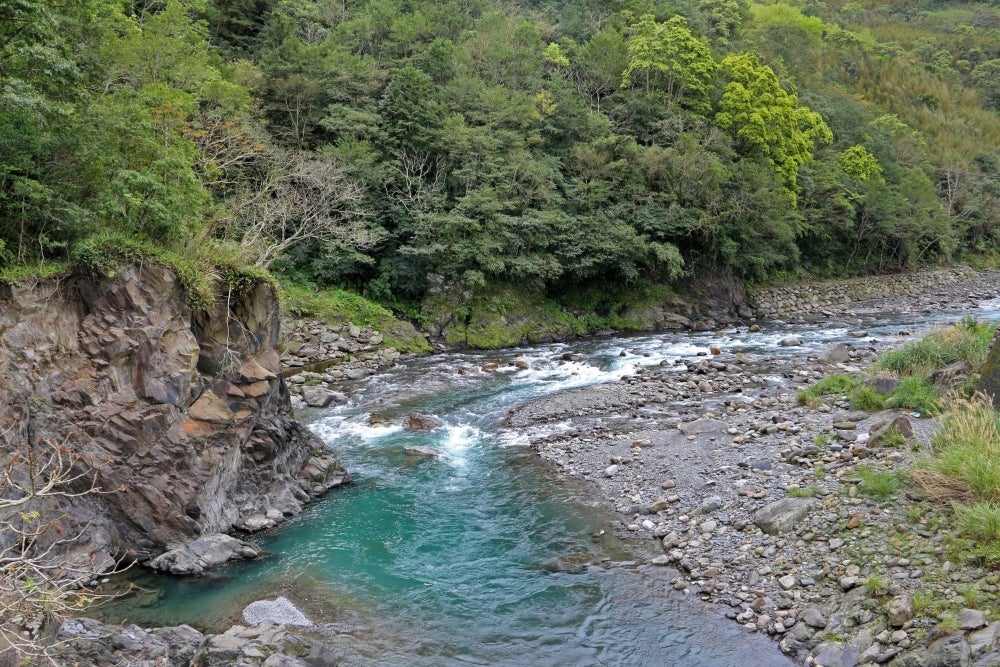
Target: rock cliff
{"type": "Point", "coordinates": [182, 413]}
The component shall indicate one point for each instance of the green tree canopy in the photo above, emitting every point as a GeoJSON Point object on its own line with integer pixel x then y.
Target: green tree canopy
{"type": "Point", "coordinates": [764, 119]}
{"type": "Point", "coordinates": [668, 58]}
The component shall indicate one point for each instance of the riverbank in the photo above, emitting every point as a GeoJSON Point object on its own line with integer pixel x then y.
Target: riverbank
{"type": "Point", "coordinates": [771, 510]}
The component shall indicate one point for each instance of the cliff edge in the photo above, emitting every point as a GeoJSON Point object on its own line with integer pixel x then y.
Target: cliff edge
{"type": "Point", "coordinates": [182, 415]}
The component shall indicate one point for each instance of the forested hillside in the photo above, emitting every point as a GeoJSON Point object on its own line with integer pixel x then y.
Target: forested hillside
{"type": "Point", "coordinates": [386, 146]}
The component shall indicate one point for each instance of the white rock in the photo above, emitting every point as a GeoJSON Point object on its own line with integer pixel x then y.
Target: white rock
{"type": "Point", "coordinates": [279, 610]}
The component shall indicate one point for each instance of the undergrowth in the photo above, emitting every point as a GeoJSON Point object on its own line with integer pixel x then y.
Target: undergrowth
{"type": "Point", "coordinates": [337, 306]}
{"type": "Point", "coordinates": [199, 268]}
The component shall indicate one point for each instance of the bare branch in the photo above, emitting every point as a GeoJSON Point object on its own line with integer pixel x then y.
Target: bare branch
{"type": "Point", "coordinates": [301, 198]}
{"type": "Point", "coordinates": [39, 585]}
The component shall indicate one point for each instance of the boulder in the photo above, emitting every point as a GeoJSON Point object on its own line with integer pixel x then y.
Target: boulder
{"type": "Point", "coordinates": [790, 341]}
{"type": "Point", "coordinates": [279, 611]}
{"type": "Point", "coordinates": [950, 375]}
{"type": "Point", "coordinates": [838, 354]}
{"type": "Point", "coordinates": [836, 654]}
{"type": "Point", "coordinates": [950, 651]}
{"type": "Point", "coordinates": [203, 554]}
{"type": "Point", "coordinates": [813, 617]}
{"type": "Point", "coordinates": [883, 384]}
{"type": "Point", "coordinates": [783, 515]}
{"type": "Point", "coordinates": [900, 610]}
{"type": "Point", "coordinates": [971, 619]}
{"type": "Point", "coordinates": [899, 424]}
{"type": "Point", "coordinates": [316, 396]}
{"type": "Point", "coordinates": [420, 422]}
{"type": "Point", "coordinates": [429, 452]}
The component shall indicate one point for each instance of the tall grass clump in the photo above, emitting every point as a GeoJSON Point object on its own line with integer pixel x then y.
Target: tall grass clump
{"type": "Point", "coordinates": [968, 340]}
{"type": "Point", "coordinates": [867, 399]}
{"type": "Point", "coordinates": [915, 393]}
{"type": "Point", "coordinates": [838, 384]}
{"type": "Point", "coordinates": [878, 483]}
{"type": "Point", "coordinates": [966, 460]}
{"type": "Point", "coordinates": [965, 468]}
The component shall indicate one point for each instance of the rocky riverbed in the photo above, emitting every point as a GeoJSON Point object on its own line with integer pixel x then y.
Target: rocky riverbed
{"type": "Point", "coordinates": [750, 502]}
{"type": "Point", "coordinates": [769, 509]}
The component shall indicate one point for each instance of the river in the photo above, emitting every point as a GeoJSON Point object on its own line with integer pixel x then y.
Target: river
{"type": "Point", "coordinates": [484, 556]}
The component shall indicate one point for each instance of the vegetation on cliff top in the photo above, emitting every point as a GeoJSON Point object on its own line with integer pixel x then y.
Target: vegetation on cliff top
{"type": "Point", "coordinates": [382, 146]}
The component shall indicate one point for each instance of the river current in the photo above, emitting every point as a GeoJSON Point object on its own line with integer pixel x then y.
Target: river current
{"type": "Point", "coordinates": [484, 555]}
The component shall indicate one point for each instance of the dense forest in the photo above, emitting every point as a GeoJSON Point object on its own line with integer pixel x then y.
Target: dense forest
{"type": "Point", "coordinates": [388, 146]}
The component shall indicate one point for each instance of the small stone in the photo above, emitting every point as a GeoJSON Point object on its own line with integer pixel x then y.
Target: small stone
{"type": "Point", "coordinates": [813, 617]}
{"type": "Point", "coordinates": [787, 582]}
{"type": "Point", "coordinates": [900, 610]}
{"type": "Point", "coordinates": [611, 471]}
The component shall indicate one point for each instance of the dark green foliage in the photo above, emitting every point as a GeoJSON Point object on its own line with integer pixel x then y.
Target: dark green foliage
{"type": "Point", "coordinates": [556, 146]}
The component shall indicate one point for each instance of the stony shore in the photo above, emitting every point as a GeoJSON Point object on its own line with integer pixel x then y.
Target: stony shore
{"type": "Point", "coordinates": [760, 505]}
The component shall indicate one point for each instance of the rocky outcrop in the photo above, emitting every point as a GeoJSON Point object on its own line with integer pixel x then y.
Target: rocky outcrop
{"type": "Point", "coordinates": [88, 642]}
{"type": "Point", "coordinates": [181, 415]}
{"type": "Point", "coordinates": [203, 554]}
{"type": "Point", "coordinates": [804, 298]}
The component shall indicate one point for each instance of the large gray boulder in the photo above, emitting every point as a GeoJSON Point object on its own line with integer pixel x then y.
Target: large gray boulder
{"type": "Point", "coordinates": [781, 516]}
{"type": "Point", "coordinates": [203, 554]}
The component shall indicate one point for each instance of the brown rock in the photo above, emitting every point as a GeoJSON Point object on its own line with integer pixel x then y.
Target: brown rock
{"type": "Point", "coordinates": [210, 408]}
{"type": "Point", "coordinates": [127, 362]}
{"type": "Point", "coordinates": [251, 371]}
{"type": "Point", "coordinates": [257, 389]}
{"type": "Point", "coordinates": [420, 422]}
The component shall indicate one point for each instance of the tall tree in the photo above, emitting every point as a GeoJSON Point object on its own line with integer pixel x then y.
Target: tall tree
{"type": "Point", "coordinates": [766, 120]}
{"type": "Point", "coordinates": [668, 58]}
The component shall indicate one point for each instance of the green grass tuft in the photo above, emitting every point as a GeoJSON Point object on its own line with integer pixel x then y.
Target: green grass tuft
{"type": "Point", "coordinates": [878, 483]}
{"type": "Point", "coordinates": [915, 393]}
{"type": "Point", "coordinates": [867, 399]}
{"type": "Point", "coordinates": [838, 384]}
{"type": "Point", "coordinates": [969, 340]}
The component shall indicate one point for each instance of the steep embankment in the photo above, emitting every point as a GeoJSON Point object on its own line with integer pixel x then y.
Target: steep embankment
{"type": "Point", "coordinates": [182, 413]}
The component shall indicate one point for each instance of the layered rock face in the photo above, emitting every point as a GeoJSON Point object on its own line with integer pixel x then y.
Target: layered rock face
{"type": "Point", "coordinates": [182, 414]}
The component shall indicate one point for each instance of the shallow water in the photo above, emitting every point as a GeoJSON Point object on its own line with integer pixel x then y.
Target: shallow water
{"type": "Point", "coordinates": [481, 556]}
